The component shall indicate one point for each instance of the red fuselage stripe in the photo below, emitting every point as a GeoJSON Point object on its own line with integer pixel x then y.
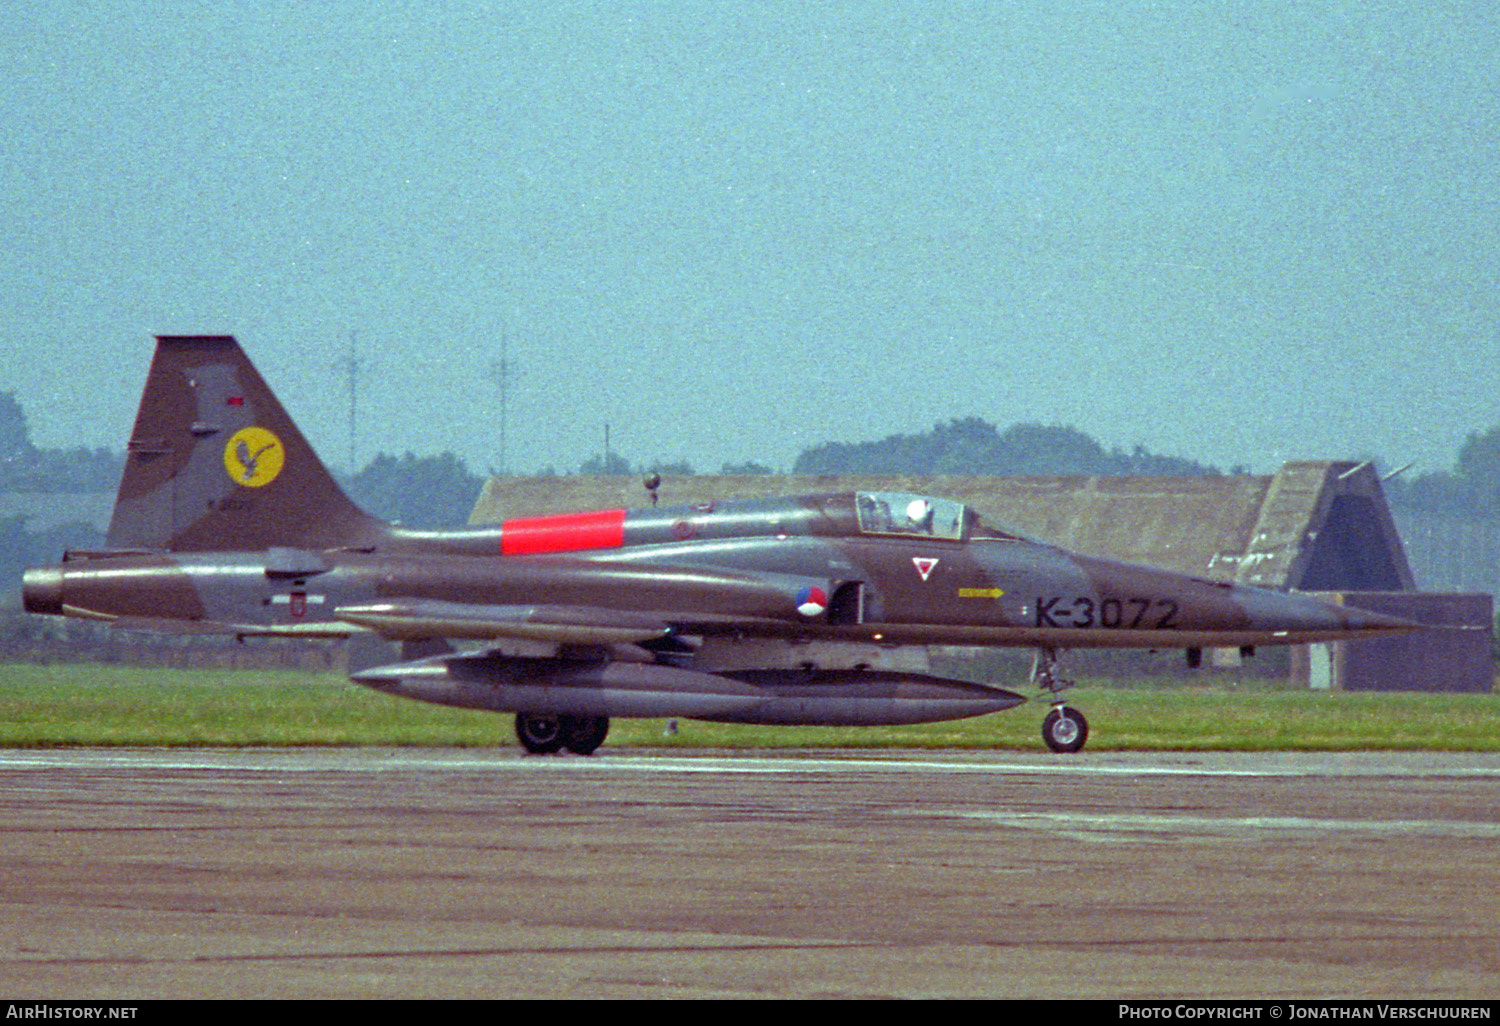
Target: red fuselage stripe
{"type": "Point", "coordinates": [567, 532]}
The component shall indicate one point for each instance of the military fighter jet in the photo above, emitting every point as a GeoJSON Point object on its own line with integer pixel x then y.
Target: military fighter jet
{"type": "Point", "coordinates": [808, 610]}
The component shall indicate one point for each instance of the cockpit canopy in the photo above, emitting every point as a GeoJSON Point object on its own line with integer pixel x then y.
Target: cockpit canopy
{"type": "Point", "coordinates": [905, 513]}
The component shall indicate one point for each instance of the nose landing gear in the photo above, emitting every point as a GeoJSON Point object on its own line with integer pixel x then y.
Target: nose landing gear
{"type": "Point", "coordinates": [1064, 729]}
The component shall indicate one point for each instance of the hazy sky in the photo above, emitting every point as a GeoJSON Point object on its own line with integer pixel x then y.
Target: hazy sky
{"type": "Point", "coordinates": [1241, 232]}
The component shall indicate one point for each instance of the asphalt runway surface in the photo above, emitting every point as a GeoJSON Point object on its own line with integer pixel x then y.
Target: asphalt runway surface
{"type": "Point", "coordinates": [479, 874]}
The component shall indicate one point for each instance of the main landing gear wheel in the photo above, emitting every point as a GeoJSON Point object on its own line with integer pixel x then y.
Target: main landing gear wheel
{"type": "Point", "coordinates": [1065, 729]}
{"type": "Point", "coordinates": [539, 735]}
{"type": "Point", "coordinates": [542, 735]}
{"type": "Point", "coordinates": [583, 734]}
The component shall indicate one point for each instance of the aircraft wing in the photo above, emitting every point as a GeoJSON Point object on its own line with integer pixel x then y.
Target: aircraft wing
{"type": "Point", "coordinates": [561, 624]}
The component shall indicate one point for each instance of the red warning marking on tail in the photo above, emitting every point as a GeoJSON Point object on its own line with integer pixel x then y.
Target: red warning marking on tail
{"type": "Point", "coordinates": [566, 532]}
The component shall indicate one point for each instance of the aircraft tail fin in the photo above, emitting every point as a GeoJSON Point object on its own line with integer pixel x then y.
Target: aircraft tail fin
{"type": "Point", "coordinates": [214, 463]}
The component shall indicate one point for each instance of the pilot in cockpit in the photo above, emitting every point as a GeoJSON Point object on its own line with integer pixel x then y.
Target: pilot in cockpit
{"type": "Point", "coordinates": [919, 516]}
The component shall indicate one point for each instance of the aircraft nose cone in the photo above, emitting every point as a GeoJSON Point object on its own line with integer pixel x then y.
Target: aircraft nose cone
{"type": "Point", "coordinates": [1312, 618]}
{"type": "Point", "coordinates": [1364, 620]}
{"type": "Point", "coordinates": [42, 590]}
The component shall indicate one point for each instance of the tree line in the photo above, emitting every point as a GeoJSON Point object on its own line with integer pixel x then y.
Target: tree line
{"type": "Point", "coordinates": [439, 491]}
{"type": "Point", "coordinates": [1471, 488]}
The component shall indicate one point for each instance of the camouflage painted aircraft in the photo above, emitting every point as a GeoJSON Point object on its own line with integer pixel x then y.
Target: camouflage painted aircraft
{"type": "Point", "coordinates": [808, 610]}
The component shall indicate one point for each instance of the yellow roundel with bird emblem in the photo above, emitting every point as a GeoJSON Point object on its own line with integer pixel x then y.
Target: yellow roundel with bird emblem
{"type": "Point", "coordinates": [253, 457]}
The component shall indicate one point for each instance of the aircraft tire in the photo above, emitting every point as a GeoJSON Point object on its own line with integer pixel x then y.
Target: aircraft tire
{"type": "Point", "coordinates": [1065, 729]}
{"type": "Point", "coordinates": [540, 734]}
{"type": "Point", "coordinates": [582, 734]}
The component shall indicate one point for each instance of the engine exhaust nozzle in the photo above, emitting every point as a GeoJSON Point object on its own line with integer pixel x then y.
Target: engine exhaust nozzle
{"type": "Point", "coordinates": [42, 590]}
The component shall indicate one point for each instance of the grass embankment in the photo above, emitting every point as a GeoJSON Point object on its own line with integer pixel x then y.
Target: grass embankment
{"type": "Point", "coordinates": [87, 704]}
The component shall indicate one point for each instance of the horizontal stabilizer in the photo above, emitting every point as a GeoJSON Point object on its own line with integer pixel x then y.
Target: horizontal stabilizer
{"type": "Point", "coordinates": [163, 625]}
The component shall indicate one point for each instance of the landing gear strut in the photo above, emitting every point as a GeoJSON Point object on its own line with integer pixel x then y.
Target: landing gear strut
{"type": "Point", "coordinates": [1064, 729]}
{"type": "Point", "coordinates": [542, 734]}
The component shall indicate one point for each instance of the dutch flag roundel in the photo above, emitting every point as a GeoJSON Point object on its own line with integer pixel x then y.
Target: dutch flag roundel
{"type": "Point", "coordinates": [811, 600]}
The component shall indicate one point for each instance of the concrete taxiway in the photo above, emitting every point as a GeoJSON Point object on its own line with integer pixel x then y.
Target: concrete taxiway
{"type": "Point", "coordinates": [418, 873]}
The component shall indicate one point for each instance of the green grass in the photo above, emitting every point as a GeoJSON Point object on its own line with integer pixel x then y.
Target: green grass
{"type": "Point", "coordinates": [100, 705]}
